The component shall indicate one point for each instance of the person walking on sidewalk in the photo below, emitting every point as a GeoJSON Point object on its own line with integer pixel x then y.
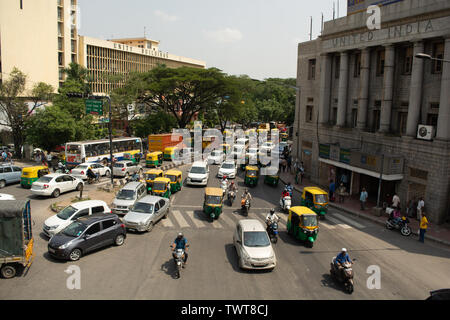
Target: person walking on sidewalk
{"type": "Point", "coordinates": [423, 227]}
{"type": "Point", "coordinates": [342, 190]}
{"type": "Point", "coordinates": [420, 206]}
{"type": "Point", "coordinates": [332, 190]}
{"type": "Point", "coordinates": [363, 199]}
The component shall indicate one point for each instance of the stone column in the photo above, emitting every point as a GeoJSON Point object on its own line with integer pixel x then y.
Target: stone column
{"type": "Point", "coordinates": [343, 90]}
{"type": "Point", "coordinates": [443, 125]}
{"type": "Point", "coordinates": [325, 88]}
{"type": "Point", "coordinates": [364, 89]}
{"type": "Point", "coordinates": [415, 94]}
{"type": "Point", "coordinates": [388, 89]}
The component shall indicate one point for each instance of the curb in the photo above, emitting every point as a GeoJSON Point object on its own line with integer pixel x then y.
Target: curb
{"type": "Point", "coordinates": [366, 217]}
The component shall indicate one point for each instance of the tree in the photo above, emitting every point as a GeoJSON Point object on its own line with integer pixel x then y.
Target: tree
{"type": "Point", "coordinates": [160, 122]}
{"type": "Point", "coordinates": [78, 74]}
{"type": "Point", "coordinates": [41, 94]}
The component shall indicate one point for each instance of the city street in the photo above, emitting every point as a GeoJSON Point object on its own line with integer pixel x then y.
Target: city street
{"type": "Point", "coordinates": [143, 268]}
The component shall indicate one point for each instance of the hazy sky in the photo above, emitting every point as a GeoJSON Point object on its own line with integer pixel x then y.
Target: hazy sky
{"type": "Point", "coordinates": [254, 37]}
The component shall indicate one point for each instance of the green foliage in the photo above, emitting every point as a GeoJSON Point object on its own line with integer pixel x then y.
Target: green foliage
{"type": "Point", "coordinates": [160, 122]}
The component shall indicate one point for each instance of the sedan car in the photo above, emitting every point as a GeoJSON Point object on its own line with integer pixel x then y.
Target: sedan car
{"type": "Point", "coordinates": [253, 246]}
{"type": "Point", "coordinates": [228, 169]}
{"type": "Point", "coordinates": [146, 212]}
{"type": "Point", "coordinates": [216, 157]}
{"type": "Point", "coordinates": [54, 184]}
{"type": "Point", "coordinates": [80, 171]}
{"type": "Point", "coordinates": [87, 234]}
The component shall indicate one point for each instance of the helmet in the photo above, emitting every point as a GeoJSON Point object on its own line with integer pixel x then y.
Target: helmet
{"type": "Point", "coordinates": [344, 250]}
{"type": "Point", "coordinates": [232, 182]}
{"type": "Point", "coordinates": [246, 190]}
{"type": "Point", "coordinates": [272, 211]}
{"type": "Point", "coordinates": [180, 235]}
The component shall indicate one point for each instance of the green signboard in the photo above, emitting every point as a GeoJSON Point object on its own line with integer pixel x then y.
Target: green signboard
{"type": "Point", "coordinates": [324, 151]}
{"type": "Point", "coordinates": [94, 106]}
{"type": "Point", "coordinates": [345, 156]}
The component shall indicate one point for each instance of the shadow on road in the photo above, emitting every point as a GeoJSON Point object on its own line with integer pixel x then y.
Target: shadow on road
{"type": "Point", "coordinates": [233, 258]}
{"type": "Point", "coordinates": [329, 282]}
{"type": "Point", "coordinates": [169, 268]}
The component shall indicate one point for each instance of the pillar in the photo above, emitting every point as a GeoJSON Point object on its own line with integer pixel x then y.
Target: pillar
{"type": "Point", "coordinates": [343, 90]}
{"type": "Point", "coordinates": [388, 89]}
{"type": "Point", "coordinates": [325, 88]}
{"type": "Point", "coordinates": [364, 89]}
{"type": "Point", "coordinates": [443, 125]}
{"type": "Point", "coordinates": [415, 94]}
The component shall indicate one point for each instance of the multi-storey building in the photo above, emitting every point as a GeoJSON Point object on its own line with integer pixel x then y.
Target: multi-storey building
{"type": "Point", "coordinates": [368, 109]}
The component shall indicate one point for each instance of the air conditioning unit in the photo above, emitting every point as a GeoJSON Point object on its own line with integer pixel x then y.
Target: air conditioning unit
{"type": "Point", "coordinates": [425, 132]}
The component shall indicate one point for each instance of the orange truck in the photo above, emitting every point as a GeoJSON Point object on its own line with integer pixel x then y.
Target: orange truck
{"type": "Point", "coordinates": [159, 142]}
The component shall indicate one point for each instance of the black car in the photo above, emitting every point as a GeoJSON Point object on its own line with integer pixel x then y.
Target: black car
{"type": "Point", "coordinates": [87, 234]}
{"type": "Point", "coordinates": [441, 294]}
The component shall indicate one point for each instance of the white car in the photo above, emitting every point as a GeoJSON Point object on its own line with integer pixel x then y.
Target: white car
{"type": "Point", "coordinates": [253, 245]}
{"type": "Point", "coordinates": [80, 171]}
{"type": "Point", "coordinates": [267, 146]}
{"type": "Point", "coordinates": [228, 169]}
{"type": "Point", "coordinates": [238, 152]}
{"type": "Point", "coordinates": [4, 196]}
{"type": "Point", "coordinates": [54, 184]}
{"type": "Point", "coordinates": [198, 174]}
{"type": "Point", "coordinates": [216, 157]}
{"type": "Point", "coordinates": [252, 156]}
{"type": "Point", "coordinates": [66, 216]}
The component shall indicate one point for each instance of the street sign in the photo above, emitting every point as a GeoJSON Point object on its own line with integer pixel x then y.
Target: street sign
{"type": "Point", "coordinates": [94, 106]}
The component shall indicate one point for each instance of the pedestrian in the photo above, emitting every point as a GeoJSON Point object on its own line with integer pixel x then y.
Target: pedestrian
{"type": "Point", "coordinates": [289, 163]}
{"type": "Point", "coordinates": [342, 191]}
{"type": "Point", "coordinates": [363, 199]}
{"type": "Point", "coordinates": [4, 156]}
{"type": "Point", "coordinates": [43, 161]}
{"type": "Point", "coordinates": [344, 179]}
{"type": "Point", "coordinates": [423, 227]}
{"type": "Point", "coordinates": [283, 165]}
{"type": "Point", "coordinates": [332, 190]}
{"type": "Point", "coordinates": [9, 154]}
{"type": "Point", "coordinates": [302, 172]}
{"type": "Point", "coordinates": [395, 201]}
{"type": "Point", "coordinates": [420, 206]}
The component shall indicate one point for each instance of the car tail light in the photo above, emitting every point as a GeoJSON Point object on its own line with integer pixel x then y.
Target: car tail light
{"type": "Point", "coordinates": [82, 172]}
{"type": "Point", "coordinates": [123, 169]}
{"type": "Point", "coordinates": [46, 186]}
{"type": "Point", "coordinates": [70, 171]}
{"type": "Point", "coordinates": [122, 225]}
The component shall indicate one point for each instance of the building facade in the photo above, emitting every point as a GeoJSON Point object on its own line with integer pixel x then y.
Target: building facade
{"type": "Point", "coordinates": [368, 109]}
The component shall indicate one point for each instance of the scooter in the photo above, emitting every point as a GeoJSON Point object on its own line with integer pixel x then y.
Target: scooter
{"type": "Point", "coordinates": [245, 205]}
{"type": "Point", "coordinates": [401, 225]}
{"type": "Point", "coordinates": [344, 275]}
{"type": "Point", "coordinates": [272, 230]}
{"type": "Point", "coordinates": [286, 204]}
{"type": "Point", "coordinates": [178, 256]}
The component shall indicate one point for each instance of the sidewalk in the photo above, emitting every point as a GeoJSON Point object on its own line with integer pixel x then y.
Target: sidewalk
{"type": "Point", "coordinates": [437, 233]}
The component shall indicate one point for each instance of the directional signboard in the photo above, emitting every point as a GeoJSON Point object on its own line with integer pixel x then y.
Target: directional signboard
{"type": "Point", "coordinates": [94, 106]}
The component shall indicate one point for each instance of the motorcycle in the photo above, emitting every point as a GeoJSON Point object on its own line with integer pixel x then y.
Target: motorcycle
{"type": "Point", "coordinates": [178, 256]}
{"type": "Point", "coordinates": [286, 204]}
{"type": "Point", "coordinates": [343, 275]}
{"type": "Point", "coordinates": [91, 179]}
{"type": "Point", "coordinates": [61, 169]}
{"type": "Point", "coordinates": [133, 178]}
{"type": "Point", "coordinates": [401, 225]}
{"type": "Point", "coordinates": [245, 206]}
{"type": "Point", "coordinates": [272, 230]}
{"type": "Point", "coordinates": [231, 196]}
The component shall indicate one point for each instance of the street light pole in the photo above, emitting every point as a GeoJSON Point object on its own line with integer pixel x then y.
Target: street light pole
{"type": "Point", "coordinates": [428, 57]}
{"type": "Point", "coordinates": [110, 139]}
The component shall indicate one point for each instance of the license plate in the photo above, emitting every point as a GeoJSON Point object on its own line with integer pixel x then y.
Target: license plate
{"type": "Point", "coordinates": [51, 250]}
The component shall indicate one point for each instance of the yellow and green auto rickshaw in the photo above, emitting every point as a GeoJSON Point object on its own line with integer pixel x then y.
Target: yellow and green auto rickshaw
{"type": "Point", "coordinates": [154, 159]}
{"type": "Point", "coordinates": [31, 174]}
{"type": "Point", "coordinates": [161, 188]}
{"type": "Point", "coordinates": [303, 224]}
{"type": "Point", "coordinates": [272, 178]}
{"type": "Point", "coordinates": [169, 153]}
{"type": "Point", "coordinates": [213, 203]}
{"type": "Point", "coordinates": [150, 176]}
{"type": "Point", "coordinates": [251, 176]}
{"type": "Point", "coordinates": [134, 156]}
{"type": "Point", "coordinates": [226, 148]}
{"type": "Point", "coordinates": [284, 136]}
{"type": "Point", "coordinates": [176, 179]}
{"type": "Point", "coordinates": [316, 199]}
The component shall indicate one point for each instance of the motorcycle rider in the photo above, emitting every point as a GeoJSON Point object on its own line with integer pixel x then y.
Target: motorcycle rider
{"type": "Point", "coordinates": [91, 174]}
{"type": "Point", "coordinates": [224, 183]}
{"type": "Point", "coordinates": [289, 188]}
{"type": "Point", "coordinates": [232, 188]}
{"type": "Point", "coordinates": [180, 242]}
{"type": "Point", "coordinates": [271, 218]}
{"type": "Point", "coordinates": [284, 194]}
{"type": "Point", "coordinates": [246, 196]}
{"type": "Point", "coordinates": [342, 258]}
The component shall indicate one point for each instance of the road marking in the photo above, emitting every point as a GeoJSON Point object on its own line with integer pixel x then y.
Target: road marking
{"type": "Point", "coordinates": [326, 225]}
{"type": "Point", "coordinates": [198, 223]}
{"type": "Point", "coordinates": [226, 218]}
{"type": "Point", "coordinates": [179, 218]}
{"type": "Point", "coordinates": [283, 217]}
{"type": "Point", "coordinates": [349, 221]}
{"type": "Point", "coordinates": [166, 222]}
{"type": "Point", "coordinates": [337, 222]}
{"type": "Point", "coordinates": [216, 224]}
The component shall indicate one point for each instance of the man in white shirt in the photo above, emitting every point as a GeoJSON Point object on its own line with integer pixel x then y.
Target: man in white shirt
{"type": "Point", "coordinates": [396, 201]}
{"type": "Point", "coordinates": [420, 205]}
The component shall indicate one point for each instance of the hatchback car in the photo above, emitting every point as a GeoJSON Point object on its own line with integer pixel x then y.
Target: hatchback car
{"type": "Point", "coordinates": [80, 171]}
{"type": "Point", "coordinates": [127, 197]}
{"type": "Point", "coordinates": [216, 157]}
{"type": "Point", "coordinates": [54, 184]}
{"type": "Point", "coordinates": [9, 174]}
{"type": "Point", "coordinates": [87, 234]}
{"type": "Point", "coordinates": [126, 168]}
{"type": "Point", "coordinates": [146, 212]}
{"type": "Point", "coordinates": [228, 169]}
{"type": "Point", "coordinates": [198, 174]}
{"type": "Point", "coordinates": [59, 221]}
{"type": "Point", "coordinates": [253, 246]}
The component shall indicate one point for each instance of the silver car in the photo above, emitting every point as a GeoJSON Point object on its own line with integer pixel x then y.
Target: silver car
{"type": "Point", "coordinates": [126, 168]}
{"type": "Point", "coordinates": [127, 197]}
{"type": "Point", "coordinates": [146, 212]}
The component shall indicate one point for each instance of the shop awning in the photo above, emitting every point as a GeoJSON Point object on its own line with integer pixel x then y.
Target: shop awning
{"type": "Point", "coordinates": [387, 177]}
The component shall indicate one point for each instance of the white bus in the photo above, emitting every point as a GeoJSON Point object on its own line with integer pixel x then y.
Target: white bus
{"type": "Point", "coordinates": [98, 150]}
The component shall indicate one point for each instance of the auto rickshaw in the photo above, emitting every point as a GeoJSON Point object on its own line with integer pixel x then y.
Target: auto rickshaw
{"type": "Point", "coordinates": [161, 188]}
{"type": "Point", "coordinates": [176, 179]}
{"type": "Point", "coordinates": [134, 156]}
{"type": "Point", "coordinates": [150, 176]}
{"type": "Point", "coordinates": [284, 136]}
{"type": "Point", "coordinates": [303, 224]}
{"type": "Point", "coordinates": [272, 178]}
{"type": "Point", "coordinates": [316, 199]}
{"type": "Point", "coordinates": [31, 174]}
{"type": "Point", "coordinates": [213, 203]}
{"type": "Point", "coordinates": [169, 153]}
{"type": "Point", "coordinates": [154, 159]}
{"type": "Point", "coordinates": [251, 176]}
{"type": "Point", "coordinates": [226, 148]}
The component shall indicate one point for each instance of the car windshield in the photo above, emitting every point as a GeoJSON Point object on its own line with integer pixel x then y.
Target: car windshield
{"type": "Point", "coordinates": [82, 167]}
{"type": "Point", "coordinates": [256, 239]}
{"type": "Point", "coordinates": [321, 198]}
{"type": "Point", "coordinates": [216, 153]}
{"type": "Point", "coordinates": [251, 173]}
{"type": "Point", "coordinates": [66, 213]}
{"type": "Point", "coordinates": [213, 200]}
{"type": "Point", "coordinates": [310, 221]}
{"type": "Point", "coordinates": [159, 186]}
{"type": "Point", "coordinates": [143, 207]}
{"type": "Point", "coordinates": [228, 166]}
{"type": "Point", "coordinates": [172, 178]}
{"type": "Point", "coordinates": [75, 229]}
{"type": "Point", "coordinates": [44, 179]}
{"type": "Point", "coordinates": [151, 176]}
{"type": "Point", "coordinates": [198, 170]}
{"type": "Point", "coordinates": [126, 195]}
{"type": "Point", "coordinates": [118, 165]}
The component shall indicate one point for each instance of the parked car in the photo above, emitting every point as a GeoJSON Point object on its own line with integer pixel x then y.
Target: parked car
{"type": "Point", "coordinates": [127, 197]}
{"type": "Point", "coordinates": [4, 196]}
{"type": "Point", "coordinates": [53, 184]}
{"type": "Point", "coordinates": [87, 234]}
{"type": "Point", "coordinates": [80, 171]}
{"type": "Point", "coordinates": [9, 174]}
{"type": "Point", "coordinates": [198, 174]}
{"type": "Point", "coordinates": [146, 212]}
{"type": "Point", "coordinates": [58, 222]}
{"type": "Point", "coordinates": [253, 245]}
{"type": "Point", "coordinates": [228, 168]}
{"type": "Point", "coordinates": [216, 157]}
{"type": "Point", "coordinates": [126, 168]}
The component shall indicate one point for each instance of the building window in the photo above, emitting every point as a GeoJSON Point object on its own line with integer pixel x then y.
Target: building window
{"type": "Point", "coordinates": [357, 66]}
{"type": "Point", "coordinates": [21, 4]}
{"type": "Point", "coordinates": [438, 53]}
{"type": "Point", "coordinates": [309, 113]}
{"type": "Point", "coordinates": [60, 14]}
{"type": "Point", "coordinates": [312, 69]}
{"type": "Point", "coordinates": [432, 119]}
{"type": "Point", "coordinates": [60, 44]}
{"type": "Point", "coordinates": [380, 63]}
{"type": "Point", "coordinates": [354, 118]}
{"type": "Point", "coordinates": [402, 120]}
{"type": "Point", "coordinates": [60, 59]}
{"type": "Point", "coordinates": [376, 120]}
{"type": "Point", "coordinates": [334, 116]}
{"type": "Point", "coordinates": [407, 57]}
{"type": "Point", "coordinates": [337, 64]}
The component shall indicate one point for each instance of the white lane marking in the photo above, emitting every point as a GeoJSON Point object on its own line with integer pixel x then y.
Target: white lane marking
{"type": "Point", "coordinates": [283, 217]}
{"type": "Point", "coordinates": [216, 224]}
{"type": "Point", "coordinates": [166, 222]}
{"type": "Point", "coordinates": [227, 220]}
{"type": "Point", "coordinates": [337, 222]}
{"type": "Point", "coordinates": [349, 221]}
{"type": "Point", "coordinates": [326, 225]}
{"type": "Point", "coordinates": [198, 223]}
{"type": "Point", "coordinates": [179, 218]}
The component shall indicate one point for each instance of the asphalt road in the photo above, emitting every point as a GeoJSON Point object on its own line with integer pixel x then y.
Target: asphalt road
{"type": "Point", "coordinates": [143, 268]}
